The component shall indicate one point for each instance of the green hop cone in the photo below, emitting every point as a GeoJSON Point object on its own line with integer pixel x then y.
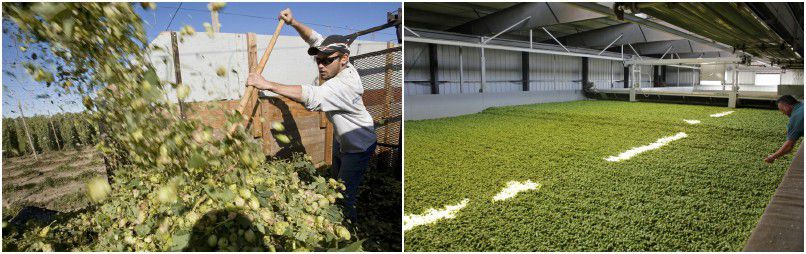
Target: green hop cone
{"type": "Point", "coordinates": [245, 193]}
{"type": "Point", "coordinates": [212, 240]}
{"type": "Point", "coordinates": [182, 91]}
{"type": "Point", "coordinates": [208, 29]}
{"type": "Point", "coordinates": [280, 227]}
{"type": "Point", "coordinates": [254, 204]}
{"type": "Point", "coordinates": [249, 236]}
{"type": "Point", "coordinates": [343, 232]}
{"type": "Point", "coordinates": [149, 5]}
{"type": "Point", "coordinates": [188, 30]}
{"type": "Point", "coordinates": [223, 243]}
{"type": "Point", "coordinates": [239, 202]}
{"type": "Point", "coordinates": [167, 194]}
{"type": "Point", "coordinates": [98, 189]}
{"type": "Point", "coordinates": [277, 126]}
{"type": "Point", "coordinates": [221, 71]}
{"type": "Point", "coordinates": [216, 6]}
{"type": "Point", "coordinates": [44, 231]}
{"type": "Point", "coordinates": [282, 138]}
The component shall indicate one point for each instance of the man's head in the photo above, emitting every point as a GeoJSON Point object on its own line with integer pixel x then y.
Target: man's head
{"type": "Point", "coordinates": [786, 103]}
{"type": "Point", "coordinates": [331, 56]}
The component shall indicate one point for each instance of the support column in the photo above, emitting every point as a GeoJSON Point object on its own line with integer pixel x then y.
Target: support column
{"type": "Point", "coordinates": [433, 67]}
{"type": "Point", "coordinates": [627, 76]}
{"type": "Point", "coordinates": [461, 70]}
{"type": "Point", "coordinates": [631, 68]}
{"type": "Point", "coordinates": [585, 72]}
{"type": "Point", "coordinates": [525, 70]}
{"type": "Point", "coordinates": [483, 70]}
{"type": "Point", "coordinates": [733, 97]}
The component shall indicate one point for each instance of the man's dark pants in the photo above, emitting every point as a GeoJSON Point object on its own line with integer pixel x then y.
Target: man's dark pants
{"type": "Point", "coordinates": [350, 168]}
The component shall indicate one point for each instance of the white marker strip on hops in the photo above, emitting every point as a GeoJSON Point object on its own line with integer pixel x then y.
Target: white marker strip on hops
{"type": "Point", "coordinates": [637, 150]}
{"type": "Point", "coordinates": [432, 215]}
{"type": "Point", "coordinates": [513, 187]}
{"type": "Point", "coordinates": [722, 114]}
{"type": "Point", "coordinates": [691, 121]}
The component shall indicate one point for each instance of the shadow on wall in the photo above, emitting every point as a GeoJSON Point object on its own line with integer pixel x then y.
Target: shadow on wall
{"type": "Point", "coordinates": [291, 130]}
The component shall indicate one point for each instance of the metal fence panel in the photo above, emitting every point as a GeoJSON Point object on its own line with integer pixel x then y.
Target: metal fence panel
{"type": "Point", "coordinates": [381, 75]}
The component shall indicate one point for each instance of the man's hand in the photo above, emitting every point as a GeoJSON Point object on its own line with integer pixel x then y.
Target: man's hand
{"type": "Point", "coordinates": [286, 16]}
{"type": "Point", "coordinates": [258, 82]}
{"type": "Point", "coordinates": [770, 159]}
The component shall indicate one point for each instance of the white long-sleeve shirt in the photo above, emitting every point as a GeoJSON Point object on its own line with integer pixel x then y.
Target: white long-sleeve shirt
{"type": "Point", "coordinates": [340, 99]}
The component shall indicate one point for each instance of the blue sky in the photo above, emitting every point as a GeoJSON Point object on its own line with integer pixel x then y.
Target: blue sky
{"type": "Point", "coordinates": [261, 18]}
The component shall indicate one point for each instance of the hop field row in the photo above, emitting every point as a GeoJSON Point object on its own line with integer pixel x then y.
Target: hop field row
{"type": "Point", "coordinates": [704, 192]}
{"type": "Point", "coordinates": [48, 133]}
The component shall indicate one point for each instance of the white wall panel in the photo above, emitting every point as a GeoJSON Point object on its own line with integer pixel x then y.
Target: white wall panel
{"type": "Point", "coordinates": [792, 77]}
{"type": "Point", "coordinates": [416, 72]}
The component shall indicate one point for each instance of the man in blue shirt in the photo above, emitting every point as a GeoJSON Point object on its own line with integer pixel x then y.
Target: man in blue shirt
{"type": "Point", "coordinates": [792, 108]}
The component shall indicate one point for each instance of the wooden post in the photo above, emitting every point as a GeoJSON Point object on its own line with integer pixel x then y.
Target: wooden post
{"type": "Point", "coordinates": [329, 144]}
{"type": "Point", "coordinates": [251, 46]}
{"type": "Point", "coordinates": [177, 71]}
{"type": "Point", "coordinates": [27, 134]}
{"type": "Point", "coordinates": [324, 123]}
{"type": "Point", "coordinates": [387, 91]}
{"type": "Point", "coordinates": [53, 128]}
{"type": "Point", "coordinates": [322, 116]}
{"type": "Point", "coordinates": [251, 93]}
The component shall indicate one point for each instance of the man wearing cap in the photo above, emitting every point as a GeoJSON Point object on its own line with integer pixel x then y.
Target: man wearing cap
{"type": "Point", "coordinates": [340, 98]}
{"type": "Point", "coordinates": [792, 108]}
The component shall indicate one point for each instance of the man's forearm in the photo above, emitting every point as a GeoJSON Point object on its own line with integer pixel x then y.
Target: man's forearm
{"type": "Point", "coordinates": [293, 92]}
{"type": "Point", "coordinates": [304, 31]}
{"type": "Point", "coordinates": [785, 149]}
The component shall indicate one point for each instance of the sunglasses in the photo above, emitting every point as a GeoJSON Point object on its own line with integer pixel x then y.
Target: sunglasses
{"type": "Point", "coordinates": [326, 61]}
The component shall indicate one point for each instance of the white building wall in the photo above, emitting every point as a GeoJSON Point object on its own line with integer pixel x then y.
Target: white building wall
{"type": "Point", "coordinates": [792, 77]}
{"type": "Point", "coordinates": [200, 56]}
{"type": "Point", "coordinates": [681, 76]}
{"type": "Point", "coordinates": [415, 68]}
{"type": "Point", "coordinates": [503, 71]}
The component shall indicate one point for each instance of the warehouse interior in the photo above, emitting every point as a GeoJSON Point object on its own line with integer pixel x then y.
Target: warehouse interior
{"type": "Point", "coordinates": [462, 58]}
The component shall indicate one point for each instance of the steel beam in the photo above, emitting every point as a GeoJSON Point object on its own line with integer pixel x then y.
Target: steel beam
{"type": "Point", "coordinates": [410, 31]}
{"type": "Point", "coordinates": [555, 39]}
{"type": "Point", "coordinates": [595, 7]}
{"type": "Point", "coordinates": [721, 60]}
{"type": "Point", "coordinates": [509, 48]}
{"type": "Point", "coordinates": [541, 12]}
{"type": "Point", "coordinates": [611, 44]}
{"type": "Point", "coordinates": [506, 29]}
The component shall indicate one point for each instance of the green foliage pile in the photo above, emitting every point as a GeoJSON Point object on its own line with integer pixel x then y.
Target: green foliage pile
{"type": "Point", "coordinates": [176, 182]}
{"type": "Point", "coordinates": [705, 192]}
{"type": "Point", "coordinates": [72, 131]}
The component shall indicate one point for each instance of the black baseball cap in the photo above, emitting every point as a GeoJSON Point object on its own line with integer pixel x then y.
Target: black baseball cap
{"type": "Point", "coordinates": [333, 43]}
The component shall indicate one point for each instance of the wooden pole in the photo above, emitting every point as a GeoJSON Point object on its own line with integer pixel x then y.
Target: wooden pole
{"type": "Point", "coordinates": [177, 71]}
{"type": "Point", "coordinates": [27, 134]}
{"type": "Point", "coordinates": [251, 47]}
{"type": "Point", "coordinates": [329, 144]}
{"type": "Point", "coordinates": [387, 90]}
{"type": "Point", "coordinates": [251, 93]}
{"type": "Point", "coordinates": [322, 116]}
{"type": "Point", "coordinates": [52, 127]}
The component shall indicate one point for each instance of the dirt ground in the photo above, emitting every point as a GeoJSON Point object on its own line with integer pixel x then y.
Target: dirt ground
{"type": "Point", "coordinates": [55, 181]}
